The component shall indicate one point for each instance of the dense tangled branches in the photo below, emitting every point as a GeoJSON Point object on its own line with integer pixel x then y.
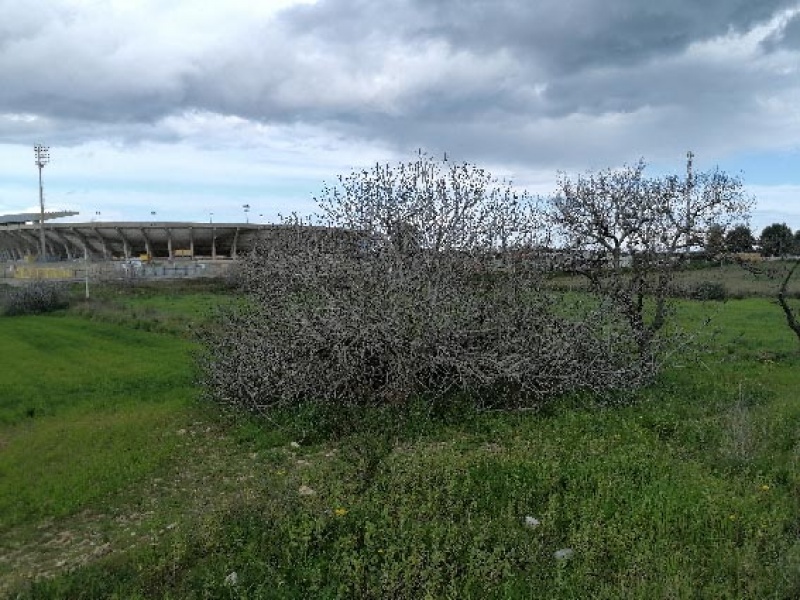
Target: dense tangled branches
{"type": "Point", "coordinates": [34, 298]}
{"type": "Point", "coordinates": [416, 281]}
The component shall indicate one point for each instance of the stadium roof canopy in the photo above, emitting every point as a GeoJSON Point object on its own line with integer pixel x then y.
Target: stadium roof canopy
{"type": "Point", "coordinates": [130, 239]}
{"type": "Point", "coordinates": [22, 218]}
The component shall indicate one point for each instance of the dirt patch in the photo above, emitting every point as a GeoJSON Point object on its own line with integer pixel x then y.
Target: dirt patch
{"type": "Point", "coordinates": [210, 474]}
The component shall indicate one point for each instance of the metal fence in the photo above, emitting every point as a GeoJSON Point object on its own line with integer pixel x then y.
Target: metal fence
{"type": "Point", "coordinates": [111, 271]}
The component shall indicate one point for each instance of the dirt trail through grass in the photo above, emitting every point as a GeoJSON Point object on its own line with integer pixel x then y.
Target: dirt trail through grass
{"type": "Point", "coordinates": [213, 475]}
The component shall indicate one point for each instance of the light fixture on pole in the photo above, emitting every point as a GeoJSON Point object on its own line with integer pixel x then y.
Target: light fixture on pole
{"type": "Point", "coordinates": [42, 158]}
{"type": "Point", "coordinates": [246, 208]}
{"type": "Point", "coordinates": [689, 190]}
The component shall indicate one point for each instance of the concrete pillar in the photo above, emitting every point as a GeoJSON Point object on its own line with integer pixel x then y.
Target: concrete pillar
{"type": "Point", "coordinates": [233, 245]}
{"type": "Point", "coordinates": [147, 246]}
{"type": "Point", "coordinates": [126, 247]}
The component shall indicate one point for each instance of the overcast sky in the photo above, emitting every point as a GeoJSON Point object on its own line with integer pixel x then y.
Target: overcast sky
{"type": "Point", "coordinates": [187, 108]}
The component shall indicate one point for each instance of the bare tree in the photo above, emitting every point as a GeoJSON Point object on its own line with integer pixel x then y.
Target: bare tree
{"type": "Point", "coordinates": [783, 300]}
{"type": "Point", "coordinates": [628, 234]}
{"type": "Point", "coordinates": [416, 280]}
{"type": "Point", "coordinates": [781, 271]}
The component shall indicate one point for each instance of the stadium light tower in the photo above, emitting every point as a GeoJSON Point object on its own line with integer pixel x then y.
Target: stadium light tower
{"type": "Point", "coordinates": [42, 158]}
{"type": "Point", "coordinates": [246, 208]}
{"type": "Point", "coordinates": [689, 186]}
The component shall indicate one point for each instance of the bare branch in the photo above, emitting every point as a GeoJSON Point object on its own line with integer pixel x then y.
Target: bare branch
{"type": "Point", "coordinates": [791, 318]}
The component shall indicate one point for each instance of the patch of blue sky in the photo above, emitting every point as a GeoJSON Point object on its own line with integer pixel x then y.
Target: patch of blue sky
{"type": "Point", "coordinates": [766, 167]}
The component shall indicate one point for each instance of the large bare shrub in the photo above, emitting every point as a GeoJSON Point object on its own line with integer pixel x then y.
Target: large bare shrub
{"type": "Point", "coordinates": [418, 280]}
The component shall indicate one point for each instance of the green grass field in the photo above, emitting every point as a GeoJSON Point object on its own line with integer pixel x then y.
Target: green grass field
{"type": "Point", "coordinates": [736, 282]}
{"type": "Point", "coordinates": [116, 482]}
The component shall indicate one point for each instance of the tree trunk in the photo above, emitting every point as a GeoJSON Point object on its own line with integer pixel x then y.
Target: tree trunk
{"type": "Point", "coordinates": [791, 318]}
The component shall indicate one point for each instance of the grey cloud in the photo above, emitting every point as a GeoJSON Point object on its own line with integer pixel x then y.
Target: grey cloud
{"type": "Point", "coordinates": [788, 37]}
{"type": "Point", "coordinates": [521, 81]}
{"type": "Point", "coordinates": [791, 34]}
{"type": "Point", "coordinates": [67, 83]}
{"type": "Point", "coordinates": [558, 35]}
{"type": "Point", "coordinates": [660, 84]}
{"type": "Point", "coordinates": [27, 20]}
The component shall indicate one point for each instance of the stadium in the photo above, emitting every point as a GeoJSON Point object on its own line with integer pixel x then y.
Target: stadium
{"type": "Point", "coordinates": [20, 239]}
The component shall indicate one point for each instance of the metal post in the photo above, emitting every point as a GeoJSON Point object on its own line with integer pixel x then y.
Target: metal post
{"type": "Point", "coordinates": [42, 158]}
{"type": "Point", "coordinates": [689, 190]}
{"type": "Point", "coordinates": [86, 268]}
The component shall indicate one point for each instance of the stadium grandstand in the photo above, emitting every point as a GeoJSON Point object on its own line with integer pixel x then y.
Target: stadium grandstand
{"type": "Point", "coordinates": [20, 238]}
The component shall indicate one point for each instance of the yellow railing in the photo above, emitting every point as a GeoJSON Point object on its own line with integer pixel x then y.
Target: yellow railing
{"type": "Point", "coordinates": [43, 273]}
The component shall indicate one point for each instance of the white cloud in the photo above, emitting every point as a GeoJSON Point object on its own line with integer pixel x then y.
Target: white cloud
{"type": "Point", "coordinates": [776, 204]}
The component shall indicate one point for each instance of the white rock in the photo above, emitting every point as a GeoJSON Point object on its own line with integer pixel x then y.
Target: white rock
{"type": "Point", "coordinates": [232, 578]}
{"type": "Point", "coordinates": [564, 554]}
{"type": "Point", "coordinates": [306, 491]}
{"type": "Point", "coordinates": [294, 444]}
{"type": "Point", "coordinates": [532, 522]}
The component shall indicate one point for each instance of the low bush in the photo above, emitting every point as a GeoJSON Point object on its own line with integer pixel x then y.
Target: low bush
{"type": "Point", "coordinates": [708, 290]}
{"type": "Point", "coordinates": [35, 298]}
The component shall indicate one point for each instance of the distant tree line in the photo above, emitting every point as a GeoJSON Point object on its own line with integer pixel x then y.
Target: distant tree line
{"type": "Point", "coordinates": [776, 240]}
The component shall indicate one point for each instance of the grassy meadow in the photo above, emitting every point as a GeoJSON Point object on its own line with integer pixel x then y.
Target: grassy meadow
{"type": "Point", "coordinates": [117, 481]}
{"type": "Point", "coordinates": [762, 278]}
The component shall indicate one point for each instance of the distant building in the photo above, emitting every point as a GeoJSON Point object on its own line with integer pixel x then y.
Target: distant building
{"type": "Point", "coordinates": [19, 238]}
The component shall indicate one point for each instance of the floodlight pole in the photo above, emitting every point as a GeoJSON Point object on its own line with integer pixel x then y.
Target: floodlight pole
{"type": "Point", "coordinates": [689, 190]}
{"type": "Point", "coordinates": [42, 158]}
